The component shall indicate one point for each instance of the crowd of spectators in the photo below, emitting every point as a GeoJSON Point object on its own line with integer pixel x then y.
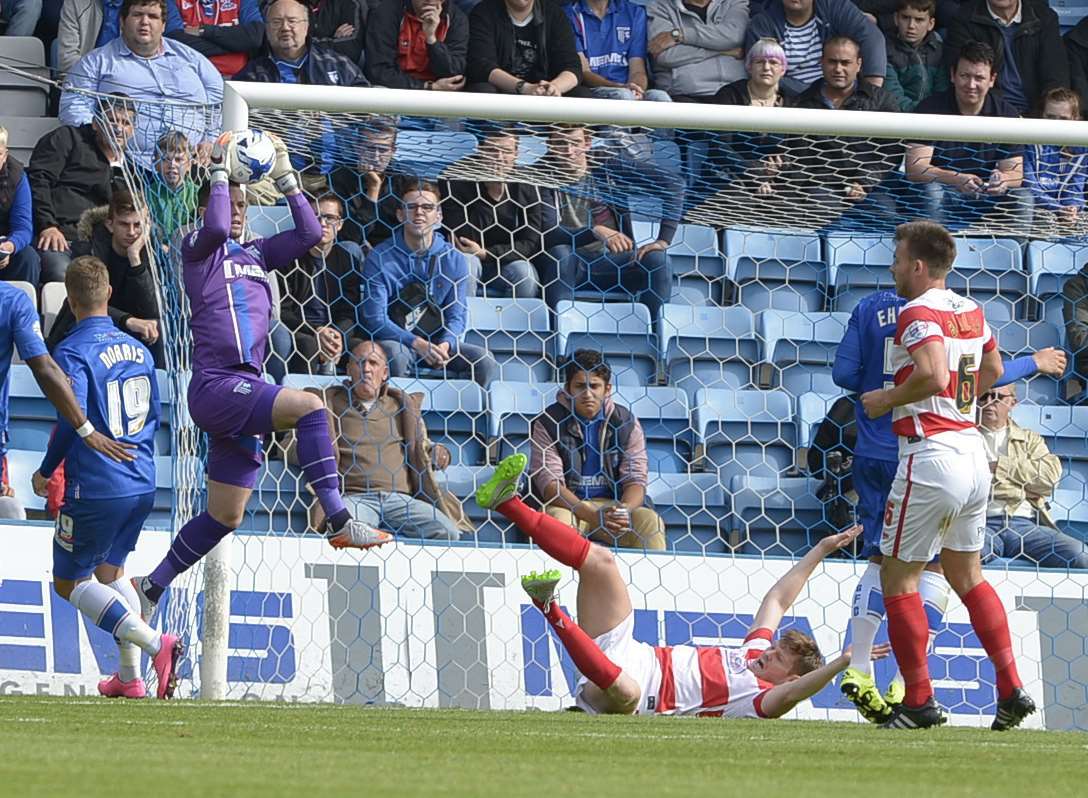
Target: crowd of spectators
{"type": "Point", "coordinates": [385, 291]}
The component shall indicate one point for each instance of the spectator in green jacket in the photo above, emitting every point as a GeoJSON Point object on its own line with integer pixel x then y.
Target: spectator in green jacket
{"type": "Point", "coordinates": [915, 70]}
{"type": "Point", "coordinates": [171, 191]}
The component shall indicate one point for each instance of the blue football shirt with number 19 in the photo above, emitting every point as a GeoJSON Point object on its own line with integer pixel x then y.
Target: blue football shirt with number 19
{"type": "Point", "coordinates": [113, 377]}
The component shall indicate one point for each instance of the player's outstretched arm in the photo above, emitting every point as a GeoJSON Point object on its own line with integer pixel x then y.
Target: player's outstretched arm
{"type": "Point", "coordinates": [781, 698]}
{"type": "Point", "coordinates": [786, 590]}
{"type": "Point", "coordinates": [989, 372]}
{"type": "Point", "coordinates": [54, 384]}
{"type": "Point", "coordinates": [283, 249]}
{"type": "Point", "coordinates": [214, 229]}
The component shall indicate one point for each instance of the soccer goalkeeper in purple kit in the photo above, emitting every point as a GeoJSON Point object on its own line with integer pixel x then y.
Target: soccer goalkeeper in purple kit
{"type": "Point", "coordinates": [227, 283]}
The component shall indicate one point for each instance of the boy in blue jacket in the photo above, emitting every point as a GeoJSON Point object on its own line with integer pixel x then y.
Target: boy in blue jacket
{"type": "Point", "coordinates": [1055, 174]}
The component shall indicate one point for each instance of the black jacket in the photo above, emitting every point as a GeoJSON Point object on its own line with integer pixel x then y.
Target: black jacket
{"type": "Point", "coordinates": [491, 40]}
{"type": "Point", "coordinates": [509, 229]}
{"type": "Point", "coordinates": [324, 67]}
{"type": "Point", "coordinates": [369, 222]}
{"type": "Point", "coordinates": [1040, 53]}
{"type": "Point", "coordinates": [133, 288]}
{"type": "Point", "coordinates": [328, 15]}
{"type": "Point", "coordinates": [383, 33]}
{"type": "Point", "coordinates": [852, 160]}
{"type": "Point", "coordinates": [342, 283]}
{"type": "Point", "coordinates": [68, 174]}
{"type": "Point", "coordinates": [1075, 312]}
{"type": "Point", "coordinates": [1076, 47]}
{"type": "Point", "coordinates": [733, 155]}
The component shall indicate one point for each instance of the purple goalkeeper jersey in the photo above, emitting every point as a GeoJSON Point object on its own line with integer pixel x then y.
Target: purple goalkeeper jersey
{"type": "Point", "coordinates": [228, 286]}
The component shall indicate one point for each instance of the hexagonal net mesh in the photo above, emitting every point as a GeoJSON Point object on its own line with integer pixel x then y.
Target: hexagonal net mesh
{"type": "Point", "coordinates": [716, 272]}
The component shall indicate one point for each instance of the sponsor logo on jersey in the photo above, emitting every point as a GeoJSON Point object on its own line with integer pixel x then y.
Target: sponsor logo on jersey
{"type": "Point", "coordinates": [915, 332]}
{"type": "Point", "coordinates": [233, 270]}
{"type": "Point", "coordinates": [243, 387]}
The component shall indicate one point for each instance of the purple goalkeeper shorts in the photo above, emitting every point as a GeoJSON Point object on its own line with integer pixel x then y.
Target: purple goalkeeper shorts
{"type": "Point", "coordinates": [235, 409]}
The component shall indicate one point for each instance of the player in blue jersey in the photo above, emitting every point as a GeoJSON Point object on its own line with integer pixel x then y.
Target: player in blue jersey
{"type": "Point", "coordinates": [862, 364]}
{"type": "Point", "coordinates": [19, 328]}
{"type": "Point", "coordinates": [228, 286]}
{"type": "Point", "coordinates": [106, 503]}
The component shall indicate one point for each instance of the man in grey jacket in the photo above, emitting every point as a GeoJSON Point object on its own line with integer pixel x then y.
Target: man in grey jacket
{"type": "Point", "coordinates": [696, 46]}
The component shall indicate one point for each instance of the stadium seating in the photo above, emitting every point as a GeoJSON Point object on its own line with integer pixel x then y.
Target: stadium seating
{"type": "Point", "coordinates": [698, 267]}
{"type": "Point", "coordinates": [990, 271]}
{"type": "Point", "coordinates": [514, 405]}
{"type": "Point", "coordinates": [24, 132]}
{"type": "Point", "coordinates": [751, 433]}
{"type": "Point", "coordinates": [1049, 265]}
{"type": "Point", "coordinates": [775, 517]}
{"type": "Point", "coordinates": [708, 347]}
{"type": "Point", "coordinates": [812, 409]}
{"type": "Point", "coordinates": [23, 95]}
{"type": "Point", "coordinates": [1016, 338]}
{"type": "Point", "coordinates": [517, 333]}
{"type": "Point", "coordinates": [622, 331]}
{"type": "Point", "coordinates": [857, 266]}
{"type": "Point", "coordinates": [1070, 512]}
{"type": "Point", "coordinates": [781, 270]}
{"type": "Point", "coordinates": [1065, 430]}
{"type": "Point", "coordinates": [694, 508]}
{"type": "Point", "coordinates": [800, 347]}
{"type": "Point", "coordinates": [53, 296]}
{"type": "Point", "coordinates": [665, 416]}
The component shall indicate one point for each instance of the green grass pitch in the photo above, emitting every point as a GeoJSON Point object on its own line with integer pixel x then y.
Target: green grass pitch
{"type": "Point", "coordinates": [84, 748]}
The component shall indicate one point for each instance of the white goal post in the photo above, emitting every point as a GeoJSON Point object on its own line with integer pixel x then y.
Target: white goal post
{"type": "Point", "coordinates": [241, 98]}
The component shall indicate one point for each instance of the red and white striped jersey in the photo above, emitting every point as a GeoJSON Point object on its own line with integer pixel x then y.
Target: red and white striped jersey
{"type": "Point", "coordinates": [948, 418]}
{"type": "Point", "coordinates": [711, 680]}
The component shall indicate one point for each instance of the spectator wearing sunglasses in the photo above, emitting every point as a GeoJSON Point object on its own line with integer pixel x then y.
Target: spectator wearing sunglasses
{"type": "Point", "coordinates": [1025, 473]}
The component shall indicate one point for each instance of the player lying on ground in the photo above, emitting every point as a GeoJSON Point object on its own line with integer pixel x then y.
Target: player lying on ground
{"type": "Point", "coordinates": [227, 283]}
{"type": "Point", "coordinates": [763, 678]}
{"type": "Point", "coordinates": [943, 356]}
{"type": "Point", "coordinates": [860, 366]}
{"type": "Point", "coordinates": [105, 502]}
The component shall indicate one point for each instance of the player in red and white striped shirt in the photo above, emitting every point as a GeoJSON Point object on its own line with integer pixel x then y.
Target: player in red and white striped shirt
{"type": "Point", "coordinates": [761, 678]}
{"type": "Point", "coordinates": [944, 355]}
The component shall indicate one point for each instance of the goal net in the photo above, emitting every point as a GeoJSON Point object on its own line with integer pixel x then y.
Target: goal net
{"type": "Point", "coordinates": [713, 255]}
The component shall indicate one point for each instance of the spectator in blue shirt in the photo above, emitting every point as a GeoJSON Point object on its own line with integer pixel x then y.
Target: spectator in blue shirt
{"type": "Point", "coordinates": [148, 68]}
{"type": "Point", "coordinates": [18, 260]}
{"type": "Point", "coordinates": [1055, 174]}
{"type": "Point", "coordinates": [610, 36]}
{"type": "Point", "coordinates": [414, 294]}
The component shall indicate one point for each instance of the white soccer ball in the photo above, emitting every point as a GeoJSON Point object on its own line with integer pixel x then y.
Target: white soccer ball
{"type": "Point", "coordinates": [253, 156]}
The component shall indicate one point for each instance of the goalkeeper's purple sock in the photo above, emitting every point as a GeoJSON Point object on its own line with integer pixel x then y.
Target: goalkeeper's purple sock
{"type": "Point", "coordinates": [318, 460]}
{"type": "Point", "coordinates": [195, 539]}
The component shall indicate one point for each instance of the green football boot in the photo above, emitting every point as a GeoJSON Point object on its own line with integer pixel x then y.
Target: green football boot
{"type": "Point", "coordinates": [503, 484]}
{"type": "Point", "coordinates": [860, 689]}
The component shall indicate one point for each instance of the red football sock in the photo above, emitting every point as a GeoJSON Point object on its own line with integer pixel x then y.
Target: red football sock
{"type": "Point", "coordinates": [558, 540]}
{"type": "Point", "coordinates": [587, 655]}
{"type": "Point", "coordinates": [992, 627]}
{"type": "Point", "coordinates": [909, 634]}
